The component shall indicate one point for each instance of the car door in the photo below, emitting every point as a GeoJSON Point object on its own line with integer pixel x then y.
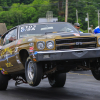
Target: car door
{"type": "Point", "coordinates": [8, 56]}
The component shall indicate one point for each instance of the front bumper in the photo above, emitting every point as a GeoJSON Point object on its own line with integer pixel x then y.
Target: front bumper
{"type": "Point", "coordinates": [67, 54]}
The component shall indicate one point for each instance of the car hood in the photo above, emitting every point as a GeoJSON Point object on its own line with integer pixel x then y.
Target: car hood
{"type": "Point", "coordinates": [56, 36]}
{"type": "Point", "coordinates": [63, 34]}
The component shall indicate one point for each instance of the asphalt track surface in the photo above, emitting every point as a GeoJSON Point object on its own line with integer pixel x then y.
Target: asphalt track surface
{"type": "Point", "coordinates": [80, 85]}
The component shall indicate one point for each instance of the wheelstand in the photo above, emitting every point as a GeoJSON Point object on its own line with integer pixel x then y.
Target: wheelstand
{"type": "Point", "coordinates": [19, 80]}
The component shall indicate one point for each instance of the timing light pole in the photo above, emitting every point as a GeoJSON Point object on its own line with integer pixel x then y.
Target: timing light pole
{"type": "Point", "coordinates": [88, 21]}
{"type": "Point", "coordinates": [98, 18]}
{"type": "Point", "coordinates": [76, 15]}
{"type": "Point", "coordinates": [66, 11]}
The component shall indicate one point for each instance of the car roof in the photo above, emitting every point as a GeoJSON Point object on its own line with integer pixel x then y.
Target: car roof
{"type": "Point", "coordinates": [43, 23]}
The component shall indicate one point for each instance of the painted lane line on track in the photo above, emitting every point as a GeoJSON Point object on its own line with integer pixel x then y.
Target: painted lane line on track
{"type": "Point", "coordinates": [80, 74]}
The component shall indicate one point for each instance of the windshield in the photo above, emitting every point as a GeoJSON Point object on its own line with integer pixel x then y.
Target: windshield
{"type": "Point", "coordinates": [41, 29]}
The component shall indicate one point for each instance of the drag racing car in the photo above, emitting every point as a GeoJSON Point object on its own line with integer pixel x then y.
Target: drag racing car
{"type": "Point", "coordinates": [34, 51]}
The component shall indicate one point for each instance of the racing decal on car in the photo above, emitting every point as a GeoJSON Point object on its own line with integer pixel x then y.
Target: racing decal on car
{"type": "Point", "coordinates": [22, 29]}
{"type": "Point", "coordinates": [31, 44]}
{"type": "Point", "coordinates": [23, 40]}
{"type": "Point", "coordinates": [16, 49]}
{"type": "Point", "coordinates": [46, 28]}
{"type": "Point", "coordinates": [0, 68]}
{"type": "Point", "coordinates": [18, 61]}
{"type": "Point", "coordinates": [6, 50]}
{"type": "Point", "coordinates": [76, 34]}
{"type": "Point", "coordinates": [28, 28]}
{"type": "Point", "coordinates": [33, 55]}
{"type": "Point", "coordinates": [8, 64]}
{"type": "Point", "coordinates": [4, 72]}
{"type": "Point", "coordinates": [29, 40]}
{"type": "Point", "coordinates": [31, 49]}
{"type": "Point", "coordinates": [19, 42]}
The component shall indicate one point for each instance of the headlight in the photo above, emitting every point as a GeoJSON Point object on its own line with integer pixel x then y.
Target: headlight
{"type": "Point", "coordinates": [50, 44]}
{"type": "Point", "coordinates": [99, 41]}
{"type": "Point", "coordinates": [41, 45]}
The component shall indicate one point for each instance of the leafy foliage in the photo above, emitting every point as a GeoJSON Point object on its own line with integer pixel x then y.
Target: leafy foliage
{"type": "Point", "coordinates": [15, 12]}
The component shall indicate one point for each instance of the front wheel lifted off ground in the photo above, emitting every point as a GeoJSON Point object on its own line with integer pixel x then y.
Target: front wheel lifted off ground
{"type": "Point", "coordinates": [3, 81]}
{"type": "Point", "coordinates": [33, 72]}
{"type": "Point", "coordinates": [57, 79]}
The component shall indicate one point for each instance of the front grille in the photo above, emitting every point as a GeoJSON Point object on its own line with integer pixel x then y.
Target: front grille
{"type": "Point", "coordinates": [72, 43]}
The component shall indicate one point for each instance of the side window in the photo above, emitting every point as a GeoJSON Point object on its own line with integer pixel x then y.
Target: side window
{"type": "Point", "coordinates": [10, 37]}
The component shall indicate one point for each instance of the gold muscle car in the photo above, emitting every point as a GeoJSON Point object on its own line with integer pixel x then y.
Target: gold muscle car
{"type": "Point", "coordinates": [34, 51]}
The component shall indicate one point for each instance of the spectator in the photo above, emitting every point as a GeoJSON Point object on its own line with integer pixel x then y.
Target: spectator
{"type": "Point", "coordinates": [77, 26]}
{"type": "Point", "coordinates": [97, 30]}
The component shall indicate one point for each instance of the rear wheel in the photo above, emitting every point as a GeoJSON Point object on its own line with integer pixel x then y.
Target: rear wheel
{"type": "Point", "coordinates": [96, 73]}
{"type": "Point", "coordinates": [33, 72]}
{"type": "Point", "coordinates": [3, 81]}
{"type": "Point", "coordinates": [95, 69]}
{"type": "Point", "coordinates": [57, 79]}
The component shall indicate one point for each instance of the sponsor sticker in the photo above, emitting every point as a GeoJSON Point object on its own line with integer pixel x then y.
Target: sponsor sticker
{"type": "Point", "coordinates": [9, 64]}
{"type": "Point", "coordinates": [19, 42]}
{"type": "Point", "coordinates": [34, 56]}
{"type": "Point", "coordinates": [22, 29]}
{"type": "Point", "coordinates": [0, 68]}
{"type": "Point", "coordinates": [4, 72]}
{"type": "Point", "coordinates": [18, 61]}
{"type": "Point", "coordinates": [31, 49]}
{"type": "Point", "coordinates": [23, 40]}
{"type": "Point", "coordinates": [29, 40]}
{"type": "Point", "coordinates": [6, 50]}
{"type": "Point", "coordinates": [35, 53]}
{"type": "Point", "coordinates": [31, 44]}
{"type": "Point", "coordinates": [16, 49]}
{"type": "Point", "coordinates": [76, 34]}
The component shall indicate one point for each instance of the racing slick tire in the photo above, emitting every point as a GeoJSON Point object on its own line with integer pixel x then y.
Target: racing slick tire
{"type": "Point", "coordinates": [96, 74]}
{"type": "Point", "coordinates": [57, 79]}
{"type": "Point", "coordinates": [95, 69]}
{"type": "Point", "coordinates": [33, 72]}
{"type": "Point", "coordinates": [3, 81]}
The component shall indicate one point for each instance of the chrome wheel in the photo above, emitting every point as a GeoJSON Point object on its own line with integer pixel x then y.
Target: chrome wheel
{"type": "Point", "coordinates": [30, 70]}
{"type": "Point", "coordinates": [33, 72]}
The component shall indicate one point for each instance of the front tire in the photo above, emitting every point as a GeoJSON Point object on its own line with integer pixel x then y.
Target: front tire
{"type": "Point", "coordinates": [57, 79]}
{"type": "Point", "coordinates": [3, 81]}
{"type": "Point", "coordinates": [33, 72]}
